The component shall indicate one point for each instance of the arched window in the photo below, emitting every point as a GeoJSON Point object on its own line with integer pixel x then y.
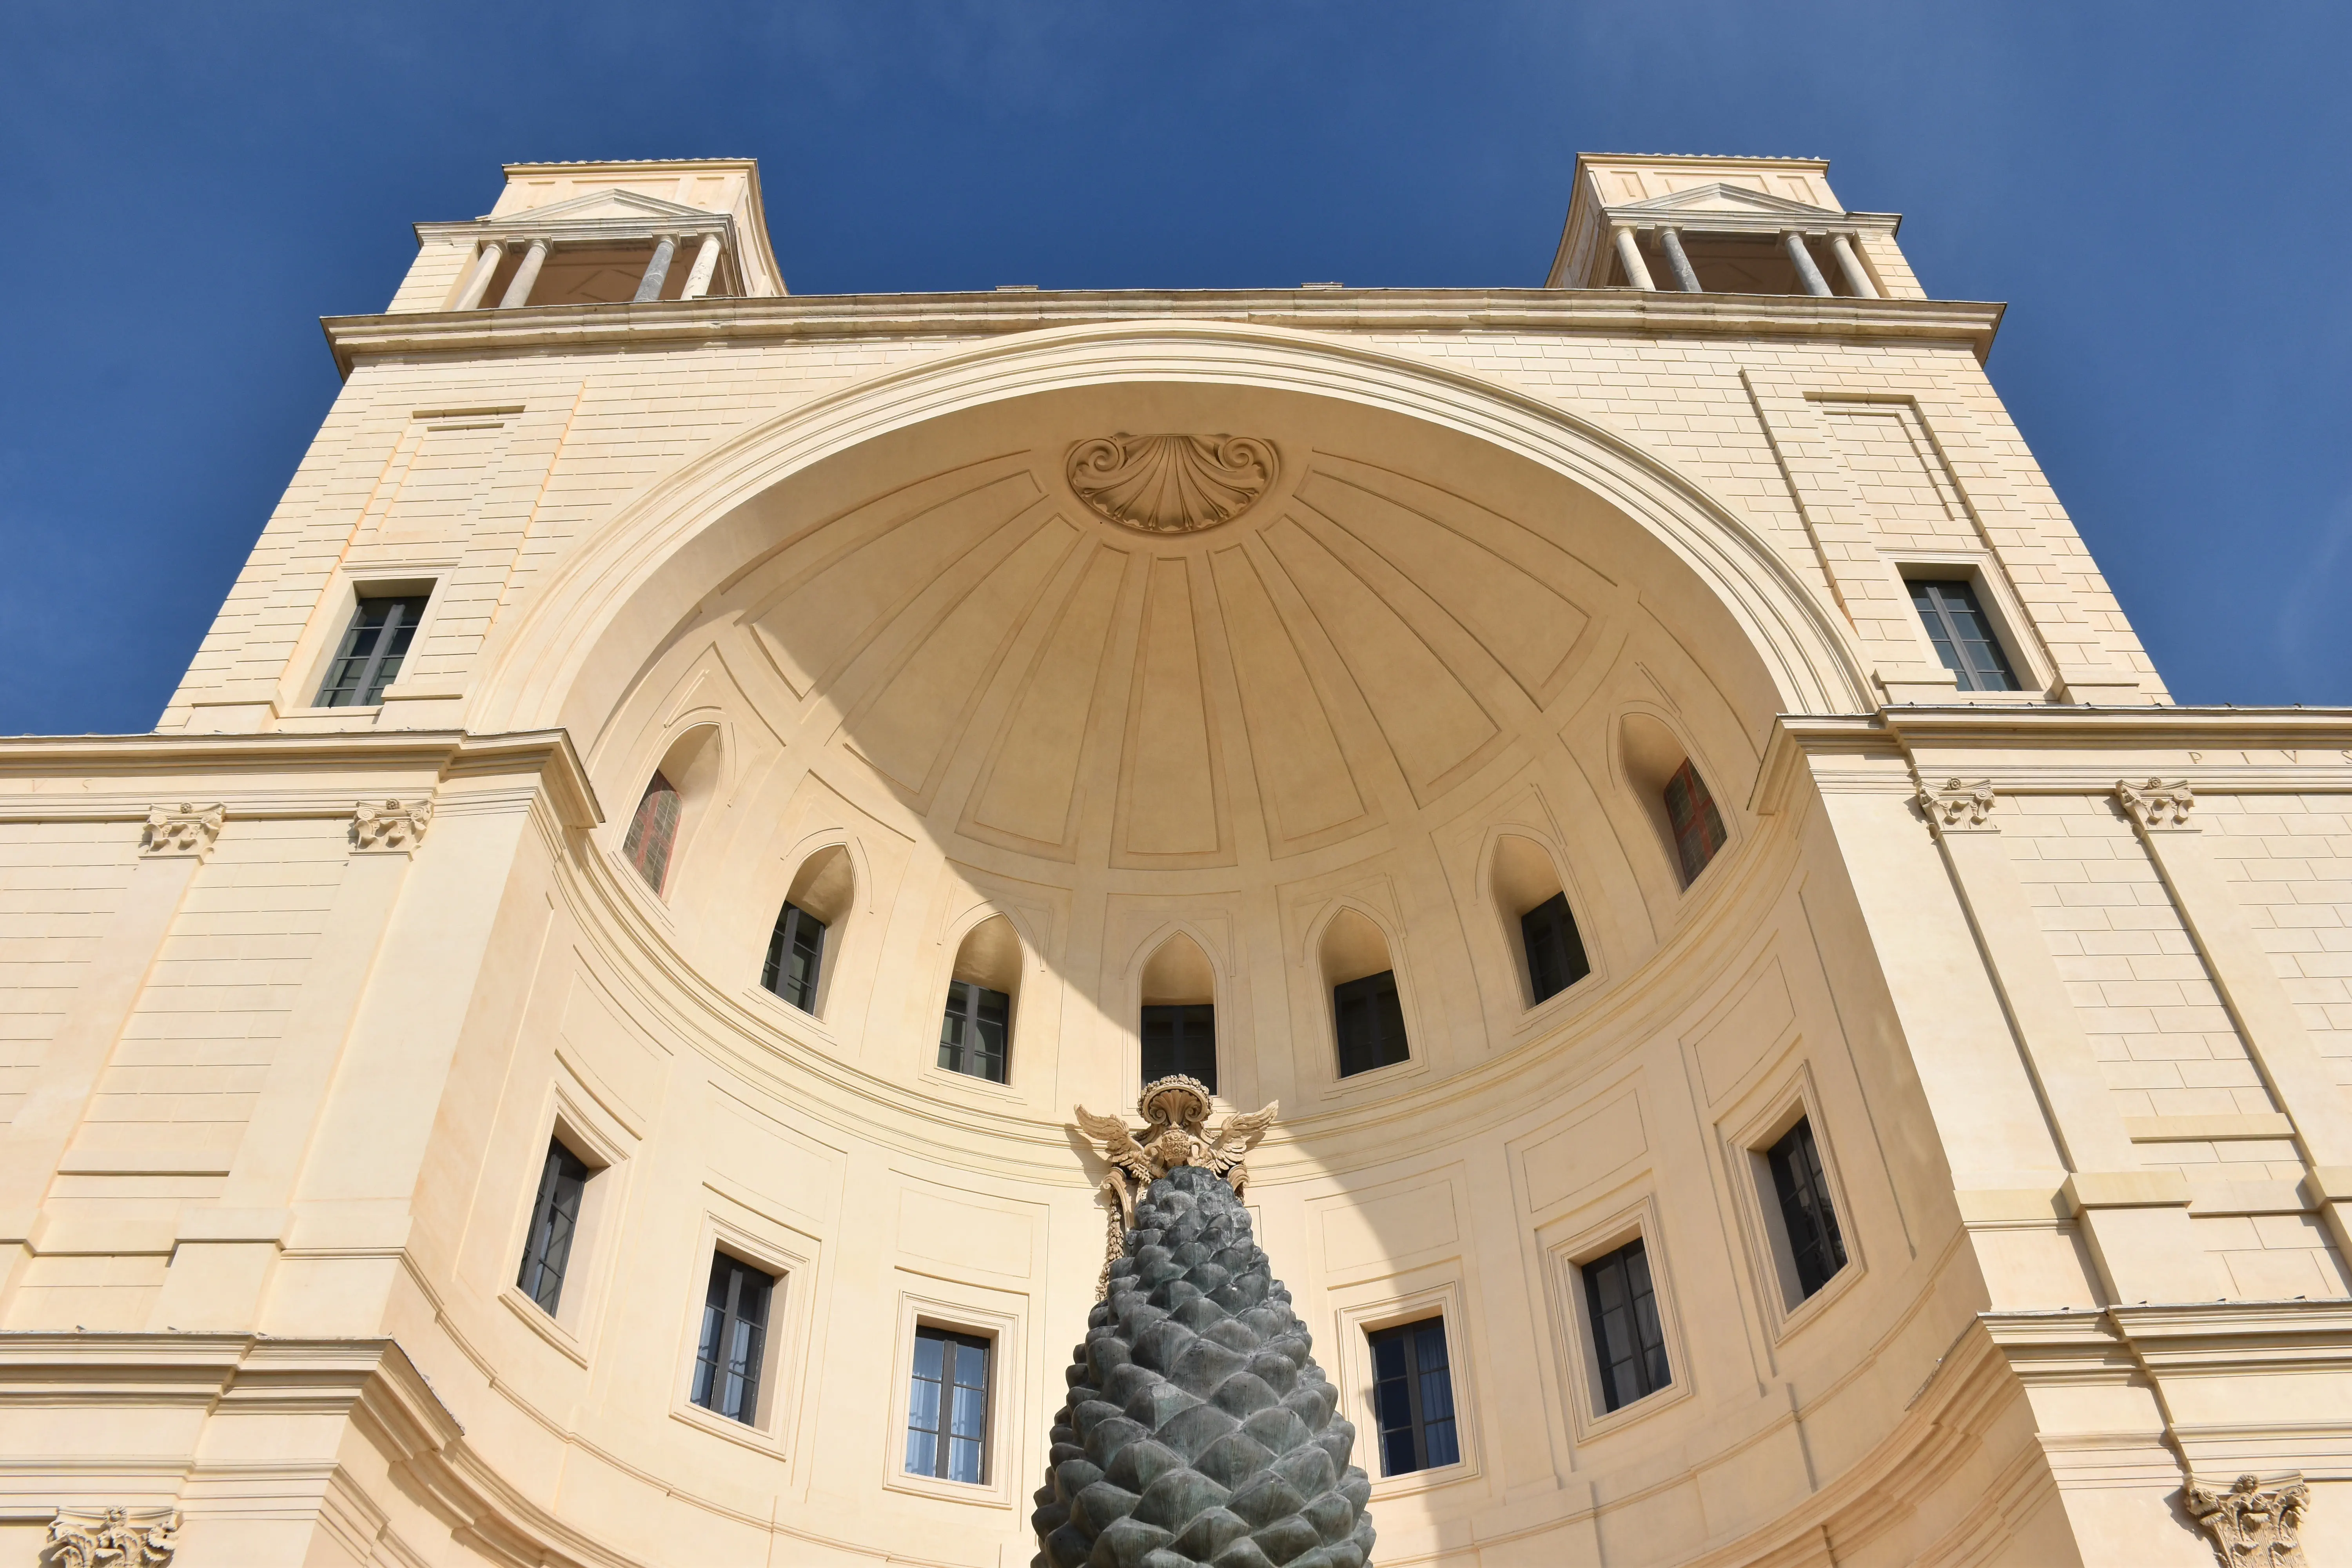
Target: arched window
{"type": "Point", "coordinates": [653, 831]}
{"type": "Point", "coordinates": [1674, 794]}
{"type": "Point", "coordinates": [976, 1029]}
{"type": "Point", "coordinates": [1367, 1014]}
{"type": "Point", "coordinates": [1180, 1013]}
{"type": "Point", "coordinates": [807, 926]}
{"type": "Point", "coordinates": [1535, 909]}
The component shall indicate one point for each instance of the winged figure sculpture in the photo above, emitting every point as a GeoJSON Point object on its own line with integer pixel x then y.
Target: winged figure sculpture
{"type": "Point", "coordinates": [1175, 1111]}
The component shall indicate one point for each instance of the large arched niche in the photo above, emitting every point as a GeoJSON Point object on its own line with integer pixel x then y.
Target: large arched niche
{"type": "Point", "coordinates": [926, 644]}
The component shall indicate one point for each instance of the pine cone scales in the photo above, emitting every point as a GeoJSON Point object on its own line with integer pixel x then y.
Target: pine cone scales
{"type": "Point", "coordinates": [1199, 1430]}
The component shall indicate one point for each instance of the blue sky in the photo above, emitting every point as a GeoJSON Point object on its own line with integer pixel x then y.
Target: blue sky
{"type": "Point", "coordinates": [2157, 190]}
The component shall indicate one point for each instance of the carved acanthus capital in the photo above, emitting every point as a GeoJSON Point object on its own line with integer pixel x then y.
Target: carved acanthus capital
{"type": "Point", "coordinates": [183, 831]}
{"type": "Point", "coordinates": [2155, 805]}
{"type": "Point", "coordinates": [116, 1538]}
{"type": "Point", "coordinates": [2253, 1525]}
{"type": "Point", "coordinates": [1171, 484]}
{"type": "Point", "coordinates": [393, 827]}
{"type": "Point", "coordinates": [1958, 806]}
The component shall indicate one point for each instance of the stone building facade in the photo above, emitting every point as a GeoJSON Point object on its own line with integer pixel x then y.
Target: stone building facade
{"type": "Point", "coordinates": [1799, 1046]}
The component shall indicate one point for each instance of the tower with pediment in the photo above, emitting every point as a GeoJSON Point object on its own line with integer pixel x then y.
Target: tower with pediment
{"type": "Point", "coordinates": [564, 1044]}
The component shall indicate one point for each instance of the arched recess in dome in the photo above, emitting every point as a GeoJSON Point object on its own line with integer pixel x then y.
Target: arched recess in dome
{"type": "Point", "coordinates": [566, 660]}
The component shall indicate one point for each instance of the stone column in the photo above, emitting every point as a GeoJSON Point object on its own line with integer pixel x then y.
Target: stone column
{"type": "Point", "coordinates": [1637, 272]}
{"type": "Point", "coordinates": [706, 263]}
{"type": "Point", "coordinates": [1807, 273]}
{"type": "Point", "coordinates": [478, 282]}
{"type": "Point", "coordinates": [1670, 240]}
{"type": "Point", "coordinates": [650, 287]}
{"type": "Point", "coordinates": [519, 291]}
{"type": "Point", "coordinates": [1851, 266]}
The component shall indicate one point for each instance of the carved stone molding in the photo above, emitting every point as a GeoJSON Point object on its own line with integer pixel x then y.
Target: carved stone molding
{"type": "Point", "coordinates": [2253, 1525]}
{"type": "Point", "coordinates": [1958, 806]}
{"type": "Point", "coordinates": [1171, 484]}
{"type": "Point", "coordinates": [118, 1538]}
{"type": "Point", "coordinates": [2155, 804]}
{"type": "Point", "coordinates": [393, 827]}
{"type": "Point", "coordinates": [183, 831]}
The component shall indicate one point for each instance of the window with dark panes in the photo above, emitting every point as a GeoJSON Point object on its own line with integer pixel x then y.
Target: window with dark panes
{"type": "Point", "coordinates": [1555, 951]}
{"type": "Point", "coordinates": [1806, 1215]}
{"type": "Point", "coordinates": [795, 956]}
{"type": "Point", "coordinates": [1627, 1344]}
{"type": "Point", "coordinates": [369, 658]}
{"type": "Point", "coordinates": [1370, 1021]}
{"type": "Point", "coordinates": [554, 1220]}
{"type": "Point", "coordinates": [1180, 1039]}
{"type": "Point", "coordinates": [1412, 1397]}
{"type": "Point", "coordinates": [947, 1407]}
{"type": "Point", "coordinates": [1698, 826]}
{"type": "Point", "coordinates": [734, 1339]}
{"type": "Point", "coordinates": [652, 832]}
{"type": "Point", "coordinates": [972, 1034]}
{"type": "Point", "coordinates": [1963, 636]}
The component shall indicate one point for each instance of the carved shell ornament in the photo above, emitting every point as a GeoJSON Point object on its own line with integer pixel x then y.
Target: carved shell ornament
{"type": "Point", "coordinates": [1171, 484]}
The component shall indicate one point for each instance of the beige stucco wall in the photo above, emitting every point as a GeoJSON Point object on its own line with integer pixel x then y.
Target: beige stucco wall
{"type": "Point", "coordinates": [282, 1076]}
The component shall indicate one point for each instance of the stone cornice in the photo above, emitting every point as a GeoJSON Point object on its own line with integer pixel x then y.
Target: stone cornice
{"type": "Point", "coordinates": [2071, 749]}
{"type": "Point", "coordinates": [298, 765]}
{"type": "Point", "coordinates": [1626, 311]}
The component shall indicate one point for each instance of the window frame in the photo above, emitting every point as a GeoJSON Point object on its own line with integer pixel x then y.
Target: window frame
{"type": "Point", "coordinates": [942, 1453]}
{"type": "Point", "coordinates": [1368, 1306]}
{"type": "Point", "coordinates": [763, 1386]}
{"type": "Point", "coordinates": [946, 1011]}
{"type": "Point", "coordinates": [1594, 1273]}
{"type": "Point", "coordinates": [792, 914]}
{"type": "Point", "coordinates": [998, 1316]}
{"type": "Point", "coordinates": [1183, 1011]}
{"type": "Point", "coordinates": [545, 1204]}
{"type": "Point", "coordinates": [363, 594]}
{"type": "Point", "coordinates": [1580, 954]}
{"type": "Point", "coordinates": [657, 887]}
{"type": "Point", "coordinates": [2000, 607]}
{"type": "Point", "coordinates": [1787, 1095]}
{"type": "Point", "coordinates": [1708, 814]}
{"type": "Point", "coordinates": [1966, 677]}
{"type": "Point", "coordinates": [1409, 1335]}
{"type": "Point", "coordinates": [1590, 1417]}
{"type": "Point", "coordinates": [1395, 989]}
{"type": "Point", "coordinates": [750, 1228]}
{"type": "Point", "coordinates": [570, 1116]}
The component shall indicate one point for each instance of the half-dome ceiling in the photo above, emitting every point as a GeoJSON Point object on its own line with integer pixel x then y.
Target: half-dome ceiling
{"type": "Point", "coordinates": [1316, 620]}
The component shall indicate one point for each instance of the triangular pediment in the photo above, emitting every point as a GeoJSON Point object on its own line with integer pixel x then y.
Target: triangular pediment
{"type": "Point", "coordinates": [608, 204]}
{"type": "Point", "coordinates": [1719, 199]}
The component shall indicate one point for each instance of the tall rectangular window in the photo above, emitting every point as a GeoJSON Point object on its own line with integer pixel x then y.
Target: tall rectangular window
{"type": "Point", "coordinates": [555, 1219]}
{"type": "Point", "coordinates": [1698, 826]}
{"type": "Point", "coordinates": [796, 955]}
{"type": "Point", "coordinates": [1180, 1039]}
{"type": "Point", "coordinates": [1412, 1397]}
{"type": "Point", "coordinates": [1628, 1344]}
{"type": "Point", "coordinates": [1964, 638]}
{"type": "Point", "coordinates": [1815, 1245]}
{"type": "Point", "coordinates": [1555, 951]}
{"type": "Point", "coordinates": [947, 1407]}
{"type": "Point", "coordinates": [373, 648]}
{"type": "Point", "coordinates": [734, 1339]}
{"type": "Point", "coordinates": [972, 1034]}
{"type": "Point", "coordinates": [1370, 1021]}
